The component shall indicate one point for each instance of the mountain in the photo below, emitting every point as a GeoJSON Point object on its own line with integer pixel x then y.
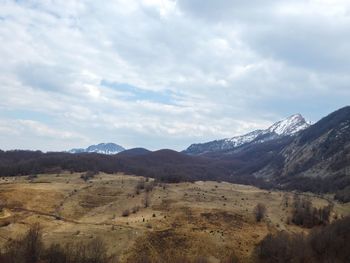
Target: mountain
{"type": "Point", "coordinates": [284, 156]}
{"type": "Point", "coordinates": [102, 148]}
{"type": "Point", "coordinates": [287, 127]}
{"type": "Point", "coordinates": [323, 150]}
{"type": "Point", "coordinates": [315, 159]}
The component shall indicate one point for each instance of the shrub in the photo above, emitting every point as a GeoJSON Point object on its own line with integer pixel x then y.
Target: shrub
{"type": "Point", "coordinates": [126, 213]}
{"type": "Point", "coordinates": [88, 175]}
{"type": "Point", "coordinates": [26, 249]}
{"type": "Point", "coordinates": [141, 185]}
{"type": "Point", "coordinates": [149, 186]}
{"type": "Point", "coordinates": [146, 200]}
{"type": "Point", "coordinates": [135, 209]}
{"type": "Point", "coordinates": [259, 212]}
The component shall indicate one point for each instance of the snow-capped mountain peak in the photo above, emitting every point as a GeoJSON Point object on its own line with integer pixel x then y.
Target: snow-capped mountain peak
{"type": "Point", "coordinates": [286, 127]}
{"type": "Point", "coordinates": [289, 126]}
{"type": "Point", "coordinates": [102, 148]}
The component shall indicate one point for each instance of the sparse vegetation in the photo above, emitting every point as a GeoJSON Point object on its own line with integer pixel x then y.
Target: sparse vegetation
{"type": "Point", "coordinates": [88, 175]}
{"type": "Point", "coordinates": [194, 211]}
{"type": "Point", "coordinates": [30, 249]}
{"type": "Point", "coordinates": [306, 215]}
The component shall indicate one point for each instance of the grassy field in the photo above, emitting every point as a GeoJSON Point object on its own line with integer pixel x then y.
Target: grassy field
{"type": "Point", "coordinates": [203, 219]}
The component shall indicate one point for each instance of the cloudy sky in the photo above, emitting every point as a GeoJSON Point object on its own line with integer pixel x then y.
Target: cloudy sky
{"type": "Point", "coordinates": [166, 73]}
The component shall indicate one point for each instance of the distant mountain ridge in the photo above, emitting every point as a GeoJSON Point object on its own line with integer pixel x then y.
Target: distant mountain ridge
{"type": "Point", "coordinates": [286, 127]}
{"type": "Point", "coordinates": [134, 152]}
{"type": "Point", "coordinates": [315, 159]}
{"type": "Point", "coordinates": [102, 148]}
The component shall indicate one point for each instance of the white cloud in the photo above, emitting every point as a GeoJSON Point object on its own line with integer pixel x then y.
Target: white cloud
{"type": "Point", "coordinates": [201, 69]}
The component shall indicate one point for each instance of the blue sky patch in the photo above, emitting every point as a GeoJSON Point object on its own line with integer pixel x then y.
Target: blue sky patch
{"type": "Point", "coordinates": [135, 93]}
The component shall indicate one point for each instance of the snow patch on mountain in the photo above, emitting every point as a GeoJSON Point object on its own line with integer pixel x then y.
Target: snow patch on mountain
{"type": "Point", "coordinates": [102, 148]}
{"type": "Point", "coordinates": [243, 139]}
{"type": "Point", "coordinates": [289, 126]}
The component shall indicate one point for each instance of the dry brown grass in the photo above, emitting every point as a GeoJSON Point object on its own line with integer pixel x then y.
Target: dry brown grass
{"type": "Point", "coordinates": [186, 221]}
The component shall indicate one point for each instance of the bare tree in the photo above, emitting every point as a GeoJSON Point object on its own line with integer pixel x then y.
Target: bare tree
{"type": "Point", "coordinates": [33, 244]}
{"type": "Point", "coordinates": [146, 201]}
{"type": "Point", "coordinates": [259, 212]}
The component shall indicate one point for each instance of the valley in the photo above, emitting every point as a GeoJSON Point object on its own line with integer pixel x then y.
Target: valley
{"type": "Point", "coordinates": [138, 218]}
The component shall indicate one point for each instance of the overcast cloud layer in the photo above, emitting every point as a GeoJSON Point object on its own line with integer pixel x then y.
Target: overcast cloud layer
{"type": "Point", "coordinates": [164, 74]}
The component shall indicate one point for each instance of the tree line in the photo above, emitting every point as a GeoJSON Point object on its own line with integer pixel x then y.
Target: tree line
{"type": "Point", "coordinates": [329, 243]}
{"type": "Point", "coordinates": [173, 167]}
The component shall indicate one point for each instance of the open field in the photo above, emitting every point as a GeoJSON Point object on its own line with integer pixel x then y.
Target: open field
{"type": "Point", "coordinates": [208, 219]}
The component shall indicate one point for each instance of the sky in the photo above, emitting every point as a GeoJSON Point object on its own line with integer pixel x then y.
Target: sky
{"type": "Point", "coordinates": [166, 73]}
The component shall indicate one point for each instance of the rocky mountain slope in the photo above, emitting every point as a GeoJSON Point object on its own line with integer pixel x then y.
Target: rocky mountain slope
{"type": "Point", "coordinates": [315, 159]}
{"type": "Point", "coordinates": [102, 148]}
{"type": "Point", "coordinates": [322, 150]}
{"type": "Point", "coordinates": [286, 127]}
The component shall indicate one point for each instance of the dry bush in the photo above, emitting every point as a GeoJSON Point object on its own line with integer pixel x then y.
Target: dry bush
{"type": "Point", "coordinates": [259, 212]}
{"type": "Point", "coordinates": [149, 186]}
{"type": "Point", "coordinates": [126, 213]}
{"type": "Point", "coordinates": [26, 249]}
{"type": "Point", "coordinates": [140, 185]}
{"type": "Point", "coordinates": [135, 209]}
{"type": "Point", "coordinates": [146, 200]}
{"type": "Point", "coordinates": [88, 175]}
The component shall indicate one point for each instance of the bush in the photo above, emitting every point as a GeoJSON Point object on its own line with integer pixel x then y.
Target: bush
{"type": "Point", "coordinates": [146, 200]}
{"type": "Point", "coordinates": [126, 213]}
{"type": "Point", "coordinates": [149, 186]}
{"type": "Point", "coordinates": [140, 185]}
{"type": "Point", "coordinates": [88, 175]}
{"type": "Point", "coordinates": [26, 249]}
{"type": "Point", "coordinates": [135, 209]}
{"type": "Point", "coordinates": [259, 212]}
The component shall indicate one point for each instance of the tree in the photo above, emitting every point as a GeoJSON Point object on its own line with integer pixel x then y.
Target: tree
{"type": "Point", "coordinates": [259, 212]}
{"type": "Point", "coordinates": [33, 244]}
{"type": "Point", "coordinates": [304, 214]}
{"type": "Point", "coordinates": [146, 201]}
